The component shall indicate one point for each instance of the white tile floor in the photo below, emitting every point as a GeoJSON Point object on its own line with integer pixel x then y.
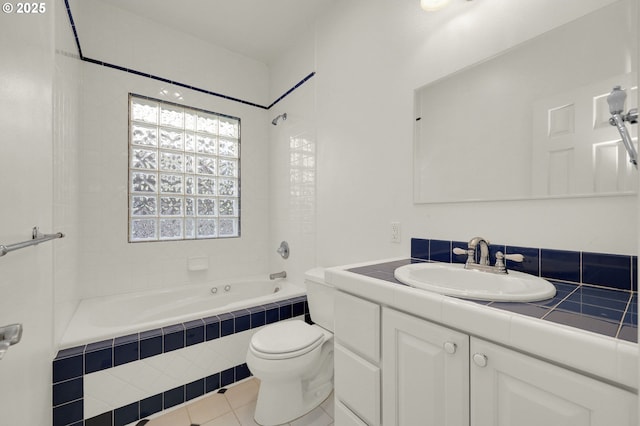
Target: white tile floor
{"type": "Point", "coordinates": [235, 407]}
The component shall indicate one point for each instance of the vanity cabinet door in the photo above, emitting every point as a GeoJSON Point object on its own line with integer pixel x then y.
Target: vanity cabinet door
{"type": "Point", "coordinates": [510, 388]}
{"type": "Point", "coordinates": [357, 326]}
{"type": "Point", "coordinates": [425, 371]}
{"type": "Point", "coordinates": [357, 385]}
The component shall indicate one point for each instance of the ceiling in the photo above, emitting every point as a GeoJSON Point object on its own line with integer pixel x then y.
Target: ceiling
{"type": "Point", "coordinates": [259, 29]}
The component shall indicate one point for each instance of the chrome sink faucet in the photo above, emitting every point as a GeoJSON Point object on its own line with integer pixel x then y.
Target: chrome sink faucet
{"type": "Point", "coordinates": [483, 263]}
{"type": "Point", "coordinates": [484, 251]}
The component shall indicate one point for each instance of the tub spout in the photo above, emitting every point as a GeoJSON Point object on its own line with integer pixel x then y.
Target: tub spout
{"type": "Point", "coordinates": [282, 274]}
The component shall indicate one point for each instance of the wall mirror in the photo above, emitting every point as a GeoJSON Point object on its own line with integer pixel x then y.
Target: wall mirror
{"type": "Point", "coordinates": [532, 122]}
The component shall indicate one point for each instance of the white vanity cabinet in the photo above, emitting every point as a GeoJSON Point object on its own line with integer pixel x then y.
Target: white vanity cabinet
{"type": "Point", "coordinates": [510, 388]}
{"type": "Point", "coordinates": [431, 375]}
{"type": "Point", "coordinates": [357, 361]}
{"type": "Point", "coordinates": [425, 372]}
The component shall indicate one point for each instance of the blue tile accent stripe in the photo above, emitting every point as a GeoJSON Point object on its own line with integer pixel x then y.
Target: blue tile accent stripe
{"type": "Point", "coordinates": [154, 404]}
{"type": "Point", "coordinates": [73, 27]}
{"type": "Point", "coordinates": [70, 365]}
{"type": "Point", "coordinates": [173, 82]}
{"type": "Point", "coordinates": [288, 92]}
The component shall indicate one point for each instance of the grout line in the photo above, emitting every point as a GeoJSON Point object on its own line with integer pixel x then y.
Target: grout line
{"type": "Point", "coordinates": [557, 304]}
{"type": "Point", "coordinates": [233, 410]}
{"type": "Point", "coordinates": [581, 266]}
{"type": "Point", "coordinates": [624, 314]}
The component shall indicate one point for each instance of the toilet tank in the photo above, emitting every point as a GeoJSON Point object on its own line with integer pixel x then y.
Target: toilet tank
{"type": "Point", "coordinates": [321, 297]}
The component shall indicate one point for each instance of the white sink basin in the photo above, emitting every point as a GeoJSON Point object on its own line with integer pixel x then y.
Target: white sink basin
{"type": "Point", "coordinates": [452, 279]}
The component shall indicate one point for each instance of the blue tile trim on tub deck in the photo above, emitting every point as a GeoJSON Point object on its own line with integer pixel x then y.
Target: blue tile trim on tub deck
{"type": "Point", "coordinates": [70, 365]}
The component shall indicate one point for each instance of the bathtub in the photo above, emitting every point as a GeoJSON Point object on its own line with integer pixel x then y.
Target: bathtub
{"type": "Point", "coordinates": [126, 357]}
{"type": "Point", "coordinates": [107, 317]}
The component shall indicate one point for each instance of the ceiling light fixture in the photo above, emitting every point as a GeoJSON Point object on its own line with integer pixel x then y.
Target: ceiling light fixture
{"type": "Point", "coordinates": [433, 5]}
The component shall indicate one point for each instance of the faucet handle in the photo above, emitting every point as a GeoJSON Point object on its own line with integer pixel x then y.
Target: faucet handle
{"type": "Point", "coordinates": [468, 252]}
{"type": "Point", "coordinates": [500, 257]}
{"type": "Point", "coordinates": [514, 257]}
{"type": "Point", "coordinates": [283, 250]}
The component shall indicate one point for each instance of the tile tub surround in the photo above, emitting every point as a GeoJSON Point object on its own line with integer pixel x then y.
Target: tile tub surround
{"type": "Point", "coordinates": [72, 367]}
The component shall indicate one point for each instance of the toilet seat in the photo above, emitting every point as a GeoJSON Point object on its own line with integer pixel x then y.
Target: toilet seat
{"type": "Point", "coordinates": [287, 339]}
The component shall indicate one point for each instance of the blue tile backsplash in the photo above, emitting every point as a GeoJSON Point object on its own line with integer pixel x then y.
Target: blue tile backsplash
{"type": "Point", "coordinates": [70, 365]}
{"type": "Point", "coordinates": [594, 291]}
{"type": "Point", "coordinates": [607, 270]}
{"type": "Point", "coordinates": [440, 251]}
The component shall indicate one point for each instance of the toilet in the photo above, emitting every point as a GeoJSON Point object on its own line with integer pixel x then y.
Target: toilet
{"type": "Point", "coordinates": [294, 360]}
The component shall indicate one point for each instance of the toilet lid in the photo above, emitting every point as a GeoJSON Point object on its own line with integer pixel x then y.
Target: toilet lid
{"type": "Point", "coordinates": [286, 337]}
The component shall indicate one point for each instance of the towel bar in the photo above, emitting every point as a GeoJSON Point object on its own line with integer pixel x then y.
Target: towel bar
{"type": "Point", "coordinates": [36, 238]}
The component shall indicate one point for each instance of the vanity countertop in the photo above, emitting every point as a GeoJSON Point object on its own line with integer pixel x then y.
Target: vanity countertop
{"type": "Point", "coordinates": [586, 328]}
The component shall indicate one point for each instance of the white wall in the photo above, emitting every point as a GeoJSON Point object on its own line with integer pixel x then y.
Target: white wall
{"type": "Point", "coordinates": [369, 57]}
{"type": "Point", "coordinates": [26, 171]}
{"type": "Point", "coordinates": [66, 179]}
{"type": "Point", "coordinates": [292, 183]}
{"type": "Point", "coordinates": [111, 265]}
{"type": "Point", "coordinates": [118, 37]}
{"type": "Point", "coordinates": [108, 263]}
{"type": "Point", "coordinates": [293, 186]}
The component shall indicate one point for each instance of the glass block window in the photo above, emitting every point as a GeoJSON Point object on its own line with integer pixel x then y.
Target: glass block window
{"type": "Point", "coordinates": [184, 172]}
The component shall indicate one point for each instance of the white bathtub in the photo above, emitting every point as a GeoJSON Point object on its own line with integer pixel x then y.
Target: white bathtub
{"type": "Point", "coordinates": [102, 318]}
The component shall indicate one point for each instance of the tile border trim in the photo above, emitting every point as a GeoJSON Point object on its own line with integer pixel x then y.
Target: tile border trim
{"type": "Point", "coordinates": [71, 365]}
{"type": "Point", "coordinates": [173, 82]}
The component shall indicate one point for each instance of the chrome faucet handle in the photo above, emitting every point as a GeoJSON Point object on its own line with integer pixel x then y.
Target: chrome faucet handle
{"type": "Point", "coordinates": [467, 252]}
{"type": "Point", "coordinates": [470, 253]}
{"type": "Point", "coordinates": [283, 250]}
{"type": "Point", "coordinates": [514, 257]}
{"type": "Point", "coordinates": [500, 257]}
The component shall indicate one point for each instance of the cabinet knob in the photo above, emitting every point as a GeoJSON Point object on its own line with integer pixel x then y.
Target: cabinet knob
{"type": "Point", "coordinates": [450, 347]}
{"type": "Point", "coordinates": [480, 360]}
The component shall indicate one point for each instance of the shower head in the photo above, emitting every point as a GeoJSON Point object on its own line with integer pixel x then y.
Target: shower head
{"type": "Point", "coordinates": [616, 100]}
{"type": "Point", "coordinates": [278, 118]}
